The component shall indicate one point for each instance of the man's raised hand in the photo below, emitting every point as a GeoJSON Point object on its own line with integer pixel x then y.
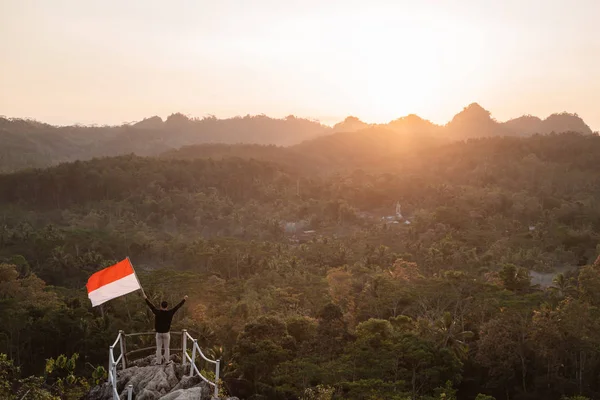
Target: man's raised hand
{"type": "Point", "coordinates": [185, 297]}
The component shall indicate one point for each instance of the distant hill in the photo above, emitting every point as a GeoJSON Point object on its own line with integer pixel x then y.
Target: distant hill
{"type": "Point", "coordinates": [366, 148]}
{"type": "Point", "coordinates": [284, 156]}
{"type": "Point", "coordinates": [564, 122]}
{"type": "Point", "coordinates": [472, 122]}
{"type": "Point", "coordinates": [528, 125]}
{"type": "Point", "coordinates": [525, 125]}
{"type": "Point", "coordinates": [350, 124]}
{"type": "Point", "coordinates": [32, 144]}
{"type": "Point", "coordinates": [415, 125]}
{"type": "Point", "coordinates": [258, 129]}
{"type": "Point", "coordinates": [362, 149]}
{"type": "Point", "coordinates": [475, 121]}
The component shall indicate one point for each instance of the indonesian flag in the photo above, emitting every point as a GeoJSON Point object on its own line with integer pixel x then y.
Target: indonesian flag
{"type": "Point", "coordinates": [112, 282]}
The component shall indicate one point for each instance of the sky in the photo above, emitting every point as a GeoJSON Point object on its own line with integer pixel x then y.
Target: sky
{"type": "Point", "coordinates": [115, 61]}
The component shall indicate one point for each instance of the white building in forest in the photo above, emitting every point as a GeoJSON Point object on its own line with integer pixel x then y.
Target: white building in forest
{"type": "Point", "coordinates": [397, 218]}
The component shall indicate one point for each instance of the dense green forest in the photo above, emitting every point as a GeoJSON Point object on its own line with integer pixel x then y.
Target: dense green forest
{"type": "Point", "coordinates": [297, 283]}
{"type": "Point", "coordinates": [32, 144]}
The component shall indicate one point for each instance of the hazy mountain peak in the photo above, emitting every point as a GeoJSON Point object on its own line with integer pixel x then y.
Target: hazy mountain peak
{"type": "Point", "coordinates": [350, 124]}
{"type": "Point", "coordinates": [558, 123]}
{"type": "Point", "coordinates": [474, 121]}
{"type": "Point", "coordinates": [473, 112]}
{"type": "Point", "coordinates": [412, 123]}
{"type": "Point", "coordinates": [410, 118]}
{"type": "Point", "coordinates": [177, 119]}
{"type": "Point", "coordinates": [154, 122]}
{"type": "Point", "coordinates": [565, 122]}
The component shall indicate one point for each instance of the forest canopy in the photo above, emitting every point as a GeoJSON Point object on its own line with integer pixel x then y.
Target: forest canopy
{"type": "Point", "coordinates": [485, 284]}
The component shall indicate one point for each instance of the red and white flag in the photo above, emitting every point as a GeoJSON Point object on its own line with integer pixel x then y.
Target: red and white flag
{"type": "Point", "coordinates": [112, 282]}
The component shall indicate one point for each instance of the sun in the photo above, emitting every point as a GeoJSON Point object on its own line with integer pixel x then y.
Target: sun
{"type": "Point", "coordinates": [399, 75]}
{"type": "Point", "coordinates": [398, 67]}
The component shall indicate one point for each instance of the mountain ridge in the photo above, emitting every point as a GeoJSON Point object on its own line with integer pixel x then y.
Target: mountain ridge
{"type": "Point", "coordinates": [473, 118]}
{"type": "Point", "coordinates": [34, 144]}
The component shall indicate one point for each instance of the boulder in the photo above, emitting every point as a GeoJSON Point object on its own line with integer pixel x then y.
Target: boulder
{"type": "Point", "coordinates": [155, 382]}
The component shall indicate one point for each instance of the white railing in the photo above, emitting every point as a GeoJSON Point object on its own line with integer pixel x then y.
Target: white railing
{"type": "Point", "coordinates": [192, 360]}
{"type": "Point", "coordinates": [112, 362]}
{"type": "Point", "coordinates": [112, 366]}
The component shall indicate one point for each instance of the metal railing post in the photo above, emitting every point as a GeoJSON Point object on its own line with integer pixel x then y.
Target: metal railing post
{"type": "Point", "coordinates": [111, 366]}
{"type": "Point", "coordinates": [184, 346]}
{"type": "Point", "coordinates": [129, 392]}
{"type": "Point", "coordinates": [109, 370]}
{"type": "Point", "coordinates": [193, 358]}
{"type": "Point", "coordinates": [121, 339]}
{"type": "Point", "coordinates": [115, 380]}
{"type": "Point", "coordinates": [217, 370]}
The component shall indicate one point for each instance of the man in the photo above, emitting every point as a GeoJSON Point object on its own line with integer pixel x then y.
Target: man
{"type": "Point", "coordinates": [162, 326]}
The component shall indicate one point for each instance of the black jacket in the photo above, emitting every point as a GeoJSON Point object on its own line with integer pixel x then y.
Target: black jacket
{"type": "Point", "coordinates": [163, 318]}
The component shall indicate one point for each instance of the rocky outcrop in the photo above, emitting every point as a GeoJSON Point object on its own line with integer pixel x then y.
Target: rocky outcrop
{"type": "Point", "coordinates": [156, 382]}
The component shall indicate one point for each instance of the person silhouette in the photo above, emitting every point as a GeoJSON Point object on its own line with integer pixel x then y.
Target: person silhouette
{"type": "Point", "coordinates": [162, 325]}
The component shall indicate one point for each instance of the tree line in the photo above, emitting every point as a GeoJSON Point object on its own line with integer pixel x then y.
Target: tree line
{"type": "Point", "coordinates": [443, 307]}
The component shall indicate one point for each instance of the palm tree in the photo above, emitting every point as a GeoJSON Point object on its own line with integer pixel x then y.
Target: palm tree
{"type": "Point", "coordinates": [447, 333]}
{"type": "Point", "coordinates": [562, 286]}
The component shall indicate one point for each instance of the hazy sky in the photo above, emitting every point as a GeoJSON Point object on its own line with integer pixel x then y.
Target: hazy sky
{"type": "Point", "coordinates": [88, 61]}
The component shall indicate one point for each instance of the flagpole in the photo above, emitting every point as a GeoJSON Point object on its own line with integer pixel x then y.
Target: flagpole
{"type": "Point", "coordinates": [136, 277]}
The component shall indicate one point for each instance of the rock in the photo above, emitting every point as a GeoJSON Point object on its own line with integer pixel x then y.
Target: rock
{"type": "Point", "coordinates": [187, 382]}
{"type": "Point", "coordinates": [155, 382]}
{"type": "Point", "coordinates": [99, 392]}
{"type": "Point", "coordinates": [195, 393]}
{"type": "Point", "coordinates": [151, 360]}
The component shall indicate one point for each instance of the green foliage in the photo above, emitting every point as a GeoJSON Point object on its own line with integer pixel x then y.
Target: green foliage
{"type": "Point", "coordinates": [491, 288]}
{"type": "Point", "coordinates": [514, 278]}
{"type": "Point", "coordinates": [484, 397]}
{"type": "Point", "coordinates": [260, 347]}
{"type": "Point", "coordinates": [320, 392]}
{"type": "Point", "coordinates": [12, 387]}
{"type": "Point", "coordinates": [446, 392]}
{"type": "Point", "coordinates": [60, 374]}
{"type": "Point", "coordinates": [99, 375]}
{"type": "Point", "coordinates": [8, 374]}
{"type": "Point", "coordinates": [372, 389]}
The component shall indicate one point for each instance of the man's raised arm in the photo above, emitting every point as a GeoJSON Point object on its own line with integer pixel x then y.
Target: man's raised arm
{"type": "Point", "coordinates": [179, 305]}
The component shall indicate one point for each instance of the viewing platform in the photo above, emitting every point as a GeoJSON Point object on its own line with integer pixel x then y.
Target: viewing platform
{"type": "Point", "coordinates": [185, 370]}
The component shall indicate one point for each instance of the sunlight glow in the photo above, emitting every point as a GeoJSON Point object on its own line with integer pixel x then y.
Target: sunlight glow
{"type": "Point", "coordinates": [111, 62]}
